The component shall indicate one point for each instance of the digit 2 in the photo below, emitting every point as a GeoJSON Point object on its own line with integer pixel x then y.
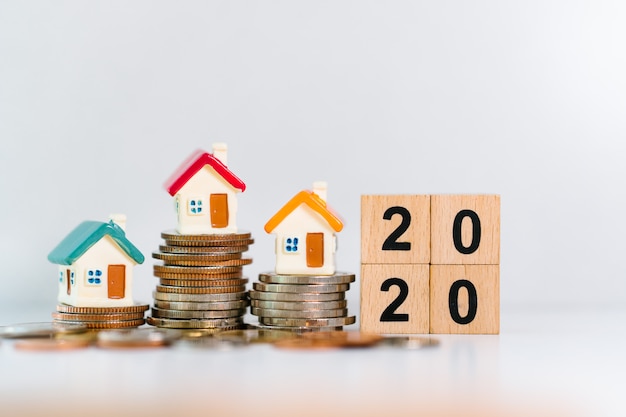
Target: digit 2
{"type": "Point", "coordinates": [390, 312]}
{"type": "Point", "coordinates": [391, 243]}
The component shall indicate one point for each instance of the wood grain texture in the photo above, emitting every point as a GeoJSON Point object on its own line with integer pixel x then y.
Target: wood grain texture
{"type": "Point", "coordinates": [444, 210]}
{"type": "Point", "coordinates": [375, 229]}
{"type": "Point", "coordinates": [374, 301]}
{"type": "Point", "coordinates": [486, 281]}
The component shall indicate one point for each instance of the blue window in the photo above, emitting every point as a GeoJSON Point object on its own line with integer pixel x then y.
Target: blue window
{"type": "Point", "coordinates": [72, 277]}
{"type": "Point", "coordinates": [291, 244]}
{"type": "Point", "coordinates": [61, 276]}
{"type": "Point", "coordinates": [195, 206]}
{"type": "Point", "coordinates": [94, 276]}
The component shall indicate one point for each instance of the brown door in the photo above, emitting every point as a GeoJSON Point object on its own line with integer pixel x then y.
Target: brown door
{"type": "Point", "coordinates": [69, 283]}
{"type": "Point", "coordinates": [219, 210]}
{"type": "Point", "coordinates": [116, 281]}
{"type": "Point", "coordinates": [315, 250]}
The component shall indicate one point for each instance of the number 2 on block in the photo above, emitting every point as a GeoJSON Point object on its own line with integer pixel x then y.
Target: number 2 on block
{"type": "Point", "coordinates": [390, 312]}
{"type": "Point", "coordinates": [391, 243]}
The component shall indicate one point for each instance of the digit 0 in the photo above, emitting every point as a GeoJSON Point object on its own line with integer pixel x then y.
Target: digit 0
{"type": "Point", "coordinates": [453, 301]}
{"type": "Point", "coordinates": [456, 232]}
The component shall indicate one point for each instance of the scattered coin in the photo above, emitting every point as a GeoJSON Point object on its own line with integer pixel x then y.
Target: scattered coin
{"type": "Point", "coordinates": [200, 290]}
{"type": "Point", "coordinates": [200, 298]}
{"type": "Point", "coordinates": [299, 289]}
{"type": "Point", "coordinates": [25, 330]}
{"type": "Point", "coordinates": [219, 305]}
{"type": "Point", "coordinates": [306, 305]}
{"type": "Point", "coordinates": [337, 278]}
{"type": "Point", "coordinates": [51, 344]}
{"type": "Point", "coordinates": [326, 322]}
{"type": "Point", "coordinates": [294, 297]}
{"type": "Point", "coordinates": [232, 323]}
{"type": "Point", "coordinates": [195, 314]}
{"type": "Point", "coordinates": [256, 335]}
{"type": "Point", "coordinates": [409, 342]}
{"type": "Point", "coordinates": [330, 340]}
{"type": "Point", "coordinates": [64, 308]}
{"type": "Point", "coordinates": [137, 338]}
{"type": "Point", "coordinates": [298, 314]}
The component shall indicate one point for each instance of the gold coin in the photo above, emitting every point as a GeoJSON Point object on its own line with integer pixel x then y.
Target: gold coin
{"type": "Point", "coordinates": [204, 250]}
{"type": "Point", "coordinates": [200, 298]}
{"type": "Point", "coordinates": [116, 324]}
{"type": "Point", "coordinates": [195, 314]}
{"type": "Point", "coordinates": [200, 290]}
{"type": "Point", "coordinates": [231, 275]}
{"type": "Point", "coordinates": [97, 317]}
{"type": "Point", "coordinates": [209, 244]}
{"type": "Point", "coordinates": [324, 322]}
{"type": "Point", "coordinates": [221, 305]}
{"type": "Point", "coordinates": [204, 283]}
{"type": "Point", "coordinates": [296, 314]}
{"type": "Point", "coordinates": [337, 278]}
{"type": "Point", "coordinates": [330, 340]}
{"type": "Point", "coordinates": [64, 308]}
{"type": "Point", "coordinates": [307, 305]}
{"type": "Point", "coordinates": [168, 258]}
{"type": "Point", "coordinates": [297, 298]}
{"type": "Point", "coordinates": [174, 235]}
{"type": "Point", "coordinates": [198, 270]}
{"type": "Point", "coordinates": [224, 324]}
{"type": "Point", "coordinates": [299, 289]}
{"type": "Point", "coordinates": [45, 329]}
{"type": "Point", "coordinates": [51, 344]}
{"type": "Point", "coordinates": [196, 264]}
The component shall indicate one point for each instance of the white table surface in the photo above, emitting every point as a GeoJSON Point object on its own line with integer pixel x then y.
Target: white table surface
{"type": "Point", "coordinates": [543, 363]}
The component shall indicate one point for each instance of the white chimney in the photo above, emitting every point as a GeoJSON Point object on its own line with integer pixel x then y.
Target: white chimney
{"type": "Point", "coordinates": [320, 188]}
{"type": "Point", "coordinates": [220, 151]}
{"type": "Point", "coordinates": [119, 219]}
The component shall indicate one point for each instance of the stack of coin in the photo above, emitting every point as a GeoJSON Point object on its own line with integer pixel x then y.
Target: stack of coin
{"type": "Point", "coordinates": [101, 317]}
{"type": "Point", "coordinates": [302, 302]}
{"type": "Point", "coordinates": [201, 281]}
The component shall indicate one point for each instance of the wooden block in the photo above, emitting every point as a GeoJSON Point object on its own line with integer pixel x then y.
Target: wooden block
{"type": "Point", "coordinates": [395, 229]}
{"type": "Point", "coordinates": [465, 299]}
{"type": "Point", "coordinates": [465, 229]}
{"type": "Point", "coordinates": [394, 298]}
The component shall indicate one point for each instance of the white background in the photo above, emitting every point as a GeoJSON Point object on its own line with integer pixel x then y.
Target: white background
{"type": "Point", "coordinates": [100, 101]}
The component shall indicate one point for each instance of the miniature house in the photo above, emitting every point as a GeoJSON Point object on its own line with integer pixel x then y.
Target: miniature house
{"type": "Point", "coordinates": [205, 191]}
{"type": "Point", "coordinates": [305, 234]}
{"type": "Point", "coordinates": [96, 265]}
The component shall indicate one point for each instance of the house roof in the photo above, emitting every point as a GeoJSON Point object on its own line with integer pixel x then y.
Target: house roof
{"type": "Point", "coordinates": [314, 202]}
{"type": "Point", "coordinates": [195, 163]}
{"type": "Point", "coordinates": [87, 234]}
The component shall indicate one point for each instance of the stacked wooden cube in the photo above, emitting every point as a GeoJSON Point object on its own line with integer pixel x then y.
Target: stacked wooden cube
{"type": "Point", "coordinates": [430, 264]}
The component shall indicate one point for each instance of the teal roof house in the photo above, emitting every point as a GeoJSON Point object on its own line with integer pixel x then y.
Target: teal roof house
{"type": "Point", "coordinates": [96, 263]}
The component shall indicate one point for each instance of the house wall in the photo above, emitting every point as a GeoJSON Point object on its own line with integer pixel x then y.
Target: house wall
{"type": "Point", "coordinates": [301, 221]}
{"type": "Point", "coordinates": [104, 253]}
{"type": "Point", "coordinates": [202, 185]}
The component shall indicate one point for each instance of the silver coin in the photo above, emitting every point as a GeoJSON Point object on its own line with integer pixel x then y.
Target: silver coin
{"type": "Point", "coordinates": [300, 289]}
{"type": "Point", "coordinates": [194, 314]}
{"type": "Point", "coordinates": [255, 335]}
{"type": "Point", "coordinates": [128, 338]}
{"type": "Point", "coordinates": [285, 322]}
{"type": "Point", "coordinates": [303, 329]}
{"type": "Point", "coordinates": [220, 305]}
{"type": "Point", "coordinates": [232, 323]}
{"type": "Point", "coordinates": [199, 298]}
{"type": "Point", "coordinates": [293, 297]}
{"type": "Point", "coordinates": [308, 305]}
{"type": "Point", "coordinates": [408, 342]}
{"type": "Point", "coordinates": [44, 329]}
{"type": "Point", "coordinates": [295, 314]}
{"type": "Point", "coordinates": [337, 278]}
